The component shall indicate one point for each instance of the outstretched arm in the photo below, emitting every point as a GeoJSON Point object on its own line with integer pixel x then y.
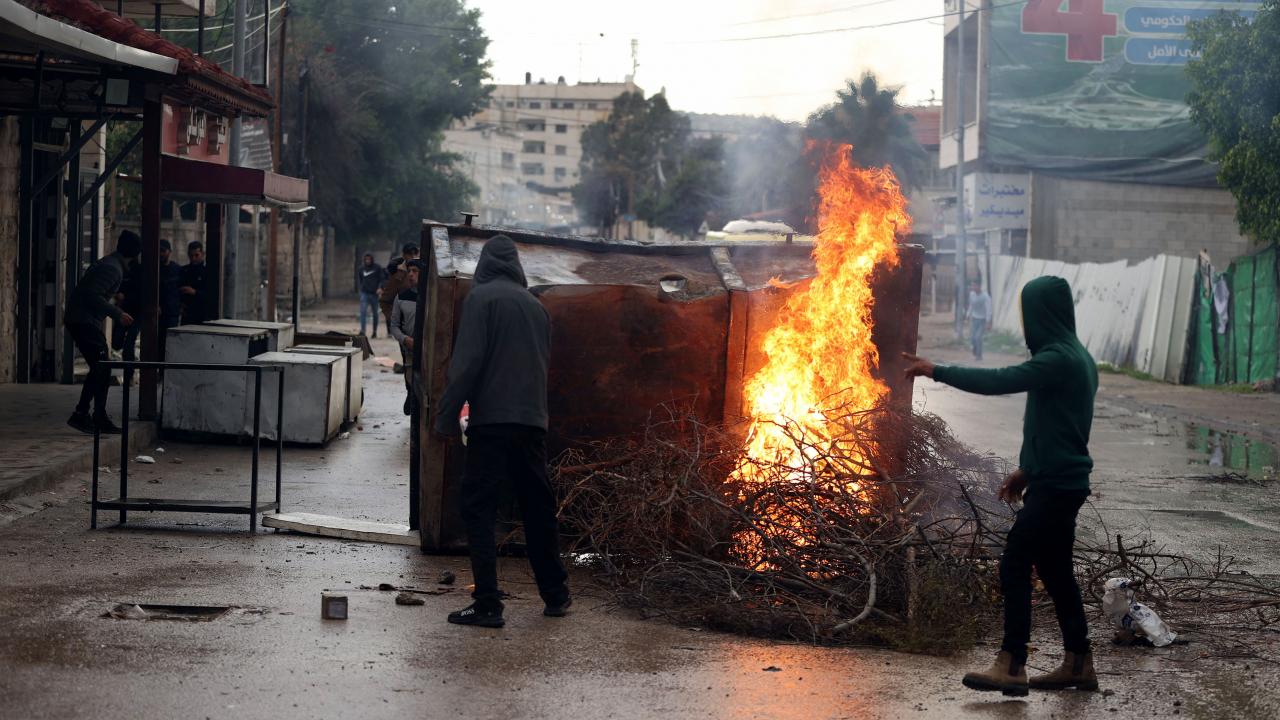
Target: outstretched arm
{"type": "Point", "coordinates": [1035, 373]}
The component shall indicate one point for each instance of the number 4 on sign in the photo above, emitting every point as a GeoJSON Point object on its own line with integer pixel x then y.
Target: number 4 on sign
{"type": "Point", "coordinates": [1084, 22]}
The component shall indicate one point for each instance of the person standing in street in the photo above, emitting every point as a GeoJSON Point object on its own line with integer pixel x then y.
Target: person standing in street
{"type": "Point", "coordinates": [369, 278]}
{"type": "Point", "coordinates": [1052, 480]}
{"type": "Point", "coordinates": [191, 286]}
{"type": "Point", "coordinates": [404, 311]}
{"type": "Point", "coordinates": [397, 280]}
{"type": "Point", "coordinates": [499, 365]}
{"type": "Point", "coordinates": [90, 303]}
{"type": "Point", "coordinates": [980, 316]}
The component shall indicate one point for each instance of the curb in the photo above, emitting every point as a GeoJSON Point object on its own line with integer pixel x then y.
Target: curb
{"type": "Point", "coordinates": [141, 434]}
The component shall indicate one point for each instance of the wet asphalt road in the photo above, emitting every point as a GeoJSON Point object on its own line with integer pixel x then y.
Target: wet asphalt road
{"type": "Point", "coordinates": [272, 656]}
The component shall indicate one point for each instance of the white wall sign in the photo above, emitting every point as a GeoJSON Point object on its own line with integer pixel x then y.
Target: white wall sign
{"type": "Point", "coordinates": [997, 200]}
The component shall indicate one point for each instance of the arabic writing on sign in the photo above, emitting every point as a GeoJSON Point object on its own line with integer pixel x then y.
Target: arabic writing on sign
{"type": "Point", "coordinates": [1153, 51]}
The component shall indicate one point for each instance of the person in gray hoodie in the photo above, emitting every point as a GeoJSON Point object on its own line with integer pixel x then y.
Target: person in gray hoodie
{"type": "Point", "coordinates": [499, 366]}
{"type": "Point", "coordinates": [90, 303]}
{"type": "Point", "coordinates": [404, 312]}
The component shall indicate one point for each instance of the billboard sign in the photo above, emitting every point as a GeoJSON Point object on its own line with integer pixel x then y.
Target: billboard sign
{"type": "Point", "coordinates": [1097, 88]}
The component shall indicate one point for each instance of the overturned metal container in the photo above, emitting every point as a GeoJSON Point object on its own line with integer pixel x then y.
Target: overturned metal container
{"type": "Point", "coordinates": [634, 326]}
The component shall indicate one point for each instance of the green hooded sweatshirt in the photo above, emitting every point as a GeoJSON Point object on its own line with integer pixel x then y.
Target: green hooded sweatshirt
{"type": "Point", "coordinates": [1060, 380]}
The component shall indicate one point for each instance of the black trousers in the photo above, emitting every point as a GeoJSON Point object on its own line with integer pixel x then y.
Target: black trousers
{"type": "Point", "coordinates": [92, 344]}
{"type": "Point", "coordinates": [1042, 537]}
{"type": "Point", "coordinates": [513, 454]}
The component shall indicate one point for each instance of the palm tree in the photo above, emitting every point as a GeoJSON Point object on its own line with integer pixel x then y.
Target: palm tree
{"type": "Point", "coordinates": [867, 117]}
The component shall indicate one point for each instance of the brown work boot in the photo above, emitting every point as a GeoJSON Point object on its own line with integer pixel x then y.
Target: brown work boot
{"type": "Point", "coordinates": [1005, 675]}
{"type": "Point", "coordinates": [1076, 672]}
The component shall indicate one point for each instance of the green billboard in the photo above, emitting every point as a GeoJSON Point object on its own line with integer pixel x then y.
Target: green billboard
{"type": "Point", "coordinates": [1096, 89]}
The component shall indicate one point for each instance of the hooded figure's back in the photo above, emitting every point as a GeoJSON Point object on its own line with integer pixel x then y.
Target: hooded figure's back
{"type": "Point", "coordinates": [503, 348]}
{"type": "Point", "coordinates": [1060, 380]}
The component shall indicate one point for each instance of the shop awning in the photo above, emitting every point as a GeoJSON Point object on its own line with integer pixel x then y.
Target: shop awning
{"type": "Point", "coordinates": [26, 31]}
{"type": "Point", "coordinates": [184, 179]}
{"type": "Point", "coordinates": [146, 9]}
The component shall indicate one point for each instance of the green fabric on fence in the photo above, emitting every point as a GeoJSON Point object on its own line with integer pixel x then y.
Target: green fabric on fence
{"type": "Point", "coordinates": [1225, 348]}
{"type": "Point", "coordinates": [1242, 319]}
{"type": "Point", "coordinates": [1204, 367]}
{"type": "Point", "coordinates": [1262, 365]}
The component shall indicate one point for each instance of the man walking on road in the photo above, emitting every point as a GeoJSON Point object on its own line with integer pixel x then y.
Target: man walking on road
{"type": "Point", "coordinates": [1060, 380]}
{"type": "Point", "coordinates": [499, 366]}
{"type": "Point", "coordinates": [980, 316]}
{"type": "Point", "coordinates": [369, 279]}
{"type": "Point", "coordinates": [90, 303]}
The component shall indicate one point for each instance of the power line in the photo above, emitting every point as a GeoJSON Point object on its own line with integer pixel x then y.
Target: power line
{"type": "Point", "coordinates": [816, 13]}
{"type": "Point", "coordinates": [829, 31]}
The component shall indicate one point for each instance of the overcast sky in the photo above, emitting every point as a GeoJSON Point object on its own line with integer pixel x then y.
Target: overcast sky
{"type": "Point", "coordinates": [686, 46]}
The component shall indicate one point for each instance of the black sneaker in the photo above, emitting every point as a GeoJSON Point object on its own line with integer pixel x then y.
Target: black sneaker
{"type": "Point", "coordinates": [106, 427]}
{"type": "Point", "coordinates": [558, 609]}
{"type": "Point", "coordinates": [482, 617]}
{"type": "Point", "coordinates": [82, 422]}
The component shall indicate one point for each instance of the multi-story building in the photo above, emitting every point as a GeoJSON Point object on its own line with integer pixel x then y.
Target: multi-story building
{"type": "Point", "coordinates": [1078, 142]}
{"type": "Point", "coordinates": [547, 120]}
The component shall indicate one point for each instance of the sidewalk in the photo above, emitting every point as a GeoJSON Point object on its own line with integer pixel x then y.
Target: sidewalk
{"type": "Point", "coordinates": [39, 450]}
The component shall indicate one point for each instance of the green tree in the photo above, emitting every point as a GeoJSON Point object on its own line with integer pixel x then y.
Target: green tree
{"type": "Point", "coordinates": [376, 85]}
{"type": "Point", "coordinates": [641, 161]}
{"type": "Point", "coordinates": [867, 117]}
{"type": "Point", "coordinates": [762, 163]}
{"type": "Point", "coordinates": [1235, 99]}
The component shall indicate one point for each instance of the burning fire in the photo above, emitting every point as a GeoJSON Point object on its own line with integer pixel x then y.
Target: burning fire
{"type": "Point", "coordinates": [819, 354]}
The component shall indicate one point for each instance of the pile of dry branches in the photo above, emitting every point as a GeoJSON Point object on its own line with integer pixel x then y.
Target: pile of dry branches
{"type": "Point", "coordinates": [889, 533]}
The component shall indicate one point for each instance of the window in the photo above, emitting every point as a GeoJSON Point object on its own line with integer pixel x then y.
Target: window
{"type": "Point", "coordinates": [533, 125]}
{"type": "Point", "coordinates": [511, 103]}
{"type": "Point", "coordinates": [567, 105]}
{"type": "Point", "coordinates": [537, 147]}
{"type": "Point", "coordinates": [508, 160]}
{"type": "Point", "coordinates": [591, 106]}
{"type": "Point", "coordinates": [562, 150]}
{"type": "Point", "coordinates": [535, 105]}
{"type": "Point", "coordinates": [532, 169]}
{"type": "Point", "coordinates": [554, 105]}
{"type": "Point", "coordinates": [561, 173]}
{"type": "Point", "coordinates": [562, 129]}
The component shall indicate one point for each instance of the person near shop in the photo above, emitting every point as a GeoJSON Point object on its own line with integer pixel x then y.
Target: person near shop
{"type": "Point", "coordinates": [191, 286]}
{"type": "Point", "coordinates": [369, 279]}
{"type": "Point", "coordinates": [91, 302]}
{"type": "Point", "coordinates": [397, 280]}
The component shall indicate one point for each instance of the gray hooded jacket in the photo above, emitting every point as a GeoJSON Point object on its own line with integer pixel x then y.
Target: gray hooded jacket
{"type": "Point", "coordinates": [500, 357]}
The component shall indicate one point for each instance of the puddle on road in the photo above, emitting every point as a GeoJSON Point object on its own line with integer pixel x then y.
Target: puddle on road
{"type": "Point", "coordinates": [1231, 452]}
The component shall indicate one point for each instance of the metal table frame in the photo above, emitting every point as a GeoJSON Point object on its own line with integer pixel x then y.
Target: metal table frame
{"type": "Point", "coordinates": [124, 503]}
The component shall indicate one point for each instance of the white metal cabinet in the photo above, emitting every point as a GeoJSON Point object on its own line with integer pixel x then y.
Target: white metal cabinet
{"type": "Point", "coordinates": [281, 333]}
{"type": "Point", "coordinates": [353, 358]}
{"type": "Point", "coordinates": [315, 389]}
{"type": "Point", "coordinates": [207, 401]}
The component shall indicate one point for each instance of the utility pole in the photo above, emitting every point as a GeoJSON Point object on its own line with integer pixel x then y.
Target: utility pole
{"type": "Point", "coordinates": [277, 121]}
{"type": "Point", "coordinates": [962, 259]}
{"type": "Point", "coordinates": [231, 252]}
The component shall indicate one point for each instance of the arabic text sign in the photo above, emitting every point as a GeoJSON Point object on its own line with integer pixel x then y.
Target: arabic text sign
{"type": "Point", "coordinates": [995, 200]}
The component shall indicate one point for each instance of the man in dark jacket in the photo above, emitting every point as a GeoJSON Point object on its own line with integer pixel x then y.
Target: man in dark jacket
{"type": "Point", "coordinates": [499, 366]}
{"type": "Point", "coordinates": [1060, 380]}
{"type": "Point", "coordinates": [404, 313]}
{"type": "Point", "coordinates": [191, 285]}
{"type": "Point", "coordinates": [369, 279]}
{"type": "Point", "coordinates": [90, 303]}
{"type": "Point", "coordinates": [170, 296]}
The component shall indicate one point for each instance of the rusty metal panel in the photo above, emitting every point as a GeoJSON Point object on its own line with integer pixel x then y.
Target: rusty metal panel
{"type": "Point", "coordinates": [634, 326]}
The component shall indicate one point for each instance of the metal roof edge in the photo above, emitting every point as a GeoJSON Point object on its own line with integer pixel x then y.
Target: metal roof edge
{"type": "Point", "coordinates": [83, 42]}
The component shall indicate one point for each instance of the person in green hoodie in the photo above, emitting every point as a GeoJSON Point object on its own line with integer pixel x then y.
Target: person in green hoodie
{"type": "Point", "coordinates": [1052, 480]}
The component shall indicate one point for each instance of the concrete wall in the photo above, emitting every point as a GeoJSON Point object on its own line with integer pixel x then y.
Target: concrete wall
{"type": "Point", "coordinates": [311, 271]}
{"type": "Point", "coordinates": [10, 158]}
{"type": "Point", "coordinates": [1087, 221]}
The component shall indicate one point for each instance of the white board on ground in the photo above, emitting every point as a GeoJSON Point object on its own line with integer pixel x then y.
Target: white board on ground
{"type": "Point", "coordinates": [326, 526]}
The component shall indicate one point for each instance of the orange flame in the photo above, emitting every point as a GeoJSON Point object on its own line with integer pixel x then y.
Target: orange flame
{"type": "Point", "coordinates": [819, 355]}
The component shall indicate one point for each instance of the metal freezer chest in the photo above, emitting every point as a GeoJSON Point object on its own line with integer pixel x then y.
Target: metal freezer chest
{"type": "Point", "coordinates": [315, 390]}
{"type": "Point", "coordinates": [204, 401]}
{"type": "Point", "coordinates": [353, 360]}
{"type": "Point", "coordinates": [281, 334]}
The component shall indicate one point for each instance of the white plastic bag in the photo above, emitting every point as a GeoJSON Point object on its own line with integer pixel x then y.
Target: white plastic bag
{"type": "Point", "coordinates": [1122, 609]}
